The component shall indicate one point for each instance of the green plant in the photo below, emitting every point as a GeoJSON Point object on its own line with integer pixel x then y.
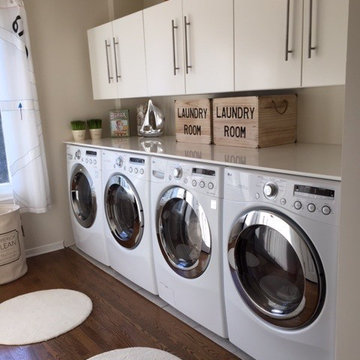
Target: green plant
{"type": "Point", "coordinates": [94, 123]}
{"type": "Point", "coordinates": [78, 125]}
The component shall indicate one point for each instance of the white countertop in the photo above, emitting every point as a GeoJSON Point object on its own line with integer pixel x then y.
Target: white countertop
{"type": "Point", "coordinates": [314, 160]}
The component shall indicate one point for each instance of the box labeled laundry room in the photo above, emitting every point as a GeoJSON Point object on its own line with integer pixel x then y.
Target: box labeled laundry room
{"type": "Point", "coordinates": [193, 121]}
{"type": "Point", "coordinates": [254, 121]}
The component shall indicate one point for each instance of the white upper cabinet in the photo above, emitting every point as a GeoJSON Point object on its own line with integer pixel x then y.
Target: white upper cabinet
{"type": "Point", "coordinates": [102, 62]}
{"type": "Point", "coordinates": [129, 56]}
{"type": "Point", "coordinates": [163, 28]}
{"type": "Point", "coordinates": [209, 45]}
{"type": "Point", "coordinates": [268, 44]}
{"type": "Point", "coordinates": [117, 58]}
{"type": "Point", "coordinates": [189, 47]}
{"type": "Point", "coordinates": [325, 42]}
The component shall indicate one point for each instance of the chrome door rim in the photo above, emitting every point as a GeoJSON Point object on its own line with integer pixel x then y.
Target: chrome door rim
{"type": "Point", "coordinates": [135, 240]}
{"type": "Point", "coordinates": [87, 222]}
{"type": "Point", "coordinates": [199, 267]}
{"type": "Point", "coordinates": [294, 236]}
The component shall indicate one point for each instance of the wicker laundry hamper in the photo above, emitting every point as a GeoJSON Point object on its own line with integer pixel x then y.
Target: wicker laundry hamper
{"type": "Point", "coordinates": [12, 253]}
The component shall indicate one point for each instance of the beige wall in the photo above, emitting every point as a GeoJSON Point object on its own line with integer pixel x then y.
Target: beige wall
{"type": "Point", "coordinates": [319, 120]}
{"type": "Point", "coordinates": [61, 61]}
{"type": "Point", "coordinates": [348, 315]}
{"type": "Point", "coordinates": [124, 7]}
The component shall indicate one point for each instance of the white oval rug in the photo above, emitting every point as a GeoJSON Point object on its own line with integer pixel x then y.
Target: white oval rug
{"type": "Point", "coordinates": [42, 315]}
{"type": "Point", "coordinates": [135, 353]}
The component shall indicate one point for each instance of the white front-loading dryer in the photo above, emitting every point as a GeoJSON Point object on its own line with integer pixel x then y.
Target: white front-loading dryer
{"type": "Point", "coordinates": [280, 263]}
{"type": "Point", "coordinates": [186, 208]}
{"type": "Point", "coordinates": [127, 229]}
{"type": "Point", "coordinates": [86, 201]}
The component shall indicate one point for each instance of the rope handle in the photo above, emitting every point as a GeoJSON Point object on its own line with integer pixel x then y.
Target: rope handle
{"type": "Point", "coordinates": [286, 104]}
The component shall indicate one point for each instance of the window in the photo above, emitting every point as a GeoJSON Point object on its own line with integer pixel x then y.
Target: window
{"type": "Point", "coordinates": [5, 189]}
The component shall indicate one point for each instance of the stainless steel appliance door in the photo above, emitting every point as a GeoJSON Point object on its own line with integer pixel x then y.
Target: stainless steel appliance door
{"type": "Point", "coordinates": [276, 269]}
{"type": "Point", "coordinates": [124, 212]}
{"type": "Point", "coordinates": [82, 196]}
{"type": "Point", "coordinates": [183, 232]}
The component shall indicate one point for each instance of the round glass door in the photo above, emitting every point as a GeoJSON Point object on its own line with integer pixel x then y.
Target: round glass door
{"type": "Point", "coordinates": [276, 269]}
{"type": "Point", "coordinates": [82, 197]}
{"type": "Point", "coordinates": [124, 212]}
{"type": "Point", "coordinates": [183, 232]}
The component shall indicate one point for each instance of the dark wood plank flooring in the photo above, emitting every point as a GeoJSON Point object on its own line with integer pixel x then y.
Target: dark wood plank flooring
{"type": "Point", "coordinates": [120, 318]}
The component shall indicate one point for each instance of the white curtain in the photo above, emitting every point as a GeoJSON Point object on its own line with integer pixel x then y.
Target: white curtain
{"type": "Point", "coordinates": [20, 111]}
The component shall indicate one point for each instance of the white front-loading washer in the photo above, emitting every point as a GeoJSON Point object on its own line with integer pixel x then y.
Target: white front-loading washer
{"type": "Point", "coordinates": [186, 201]}
{"type": "Point", "coordinates": [126, 187]}
{"type": "Point", "coordinates": [280, 263]}
{"type": "Point", "coordinates": [86, 201]}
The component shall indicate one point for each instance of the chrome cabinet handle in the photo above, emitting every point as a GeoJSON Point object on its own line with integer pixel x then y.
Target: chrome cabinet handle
{"type": "Point", "coordinates": [310, 47]}
{"type": "Point", "coordinates": [116, 63]}
{"type": "Point", "coordinates": [188, 66]}
{"type": "Point", "coordinates": [287, 51]}
{"type": "Point", "coordinates": [173, 28]}
{"type": "Point", "coordinates": [107, 61]}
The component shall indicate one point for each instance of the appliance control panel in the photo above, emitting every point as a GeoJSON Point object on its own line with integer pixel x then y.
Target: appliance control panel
{"type": "Point", "coordinates": [131, 165]}
{"type": "Point", "coordinates": [88, 157]}
{"type": "Point", "coordinates": [202, 178]}
{"type": "Point", "coordinates": [309, 197]}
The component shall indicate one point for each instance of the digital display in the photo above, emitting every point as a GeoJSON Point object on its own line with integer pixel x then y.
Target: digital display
{"type": "Point", "coordinates": [137, 160]}
{"type": "Point", "coordinates": [91, 153]}
{"type": "Point", "coordinates": [203, 172]}
{"type": "Point", "coordinates": [304, 189]}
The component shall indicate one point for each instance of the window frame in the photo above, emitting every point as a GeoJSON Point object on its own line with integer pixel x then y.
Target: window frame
{"type": "Point", "coordinates": [5, 188]}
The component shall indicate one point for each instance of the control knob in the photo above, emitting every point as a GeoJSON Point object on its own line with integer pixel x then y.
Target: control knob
{"type": "Point", "coordinates": [78, 155]}
{"type": "Point", "coordinates": [119, 161]}
{"type": "Point", "coordinates": [270, 190]}
{"type": "Point", "coordinates": [177, 172]}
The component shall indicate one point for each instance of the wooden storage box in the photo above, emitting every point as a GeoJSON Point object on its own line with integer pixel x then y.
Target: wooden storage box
{"type": "Point", "coordinates": [255, 121]}
{"type": "Point", "coordinates": [193, 121]}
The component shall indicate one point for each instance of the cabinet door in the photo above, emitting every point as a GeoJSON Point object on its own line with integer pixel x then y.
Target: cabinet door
{"type": "Point", "coordinates": [209, 53]}
{"type": "Point", "coordinates": [129, 55]}
{"type": "Point", "coordinates": [163, 29]}
{"type": "Point", "coordinates": [268, 44]}
{"type": "Point", "coordinates": [325, 42]}
{"type": "Point", "coordinates": [102, 62]}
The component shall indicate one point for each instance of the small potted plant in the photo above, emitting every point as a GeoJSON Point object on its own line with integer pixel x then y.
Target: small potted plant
{"type": "Point", "coordinates": [78, 128]}
{"type": "Point", "coordinates": [95, 128]}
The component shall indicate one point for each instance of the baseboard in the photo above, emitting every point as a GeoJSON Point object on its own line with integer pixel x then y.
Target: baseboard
{"type": "Point", "coordinates": [44, 249]}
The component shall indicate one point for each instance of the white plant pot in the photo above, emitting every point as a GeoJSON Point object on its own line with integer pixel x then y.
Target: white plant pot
{"type": "Point", "coordinates": [95, 134]}
{"type": "Point", "coordinates": [79, 135]}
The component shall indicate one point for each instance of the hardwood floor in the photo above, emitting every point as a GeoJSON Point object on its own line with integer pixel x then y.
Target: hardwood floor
{"type": "Point", "coordinates": [120, 318]}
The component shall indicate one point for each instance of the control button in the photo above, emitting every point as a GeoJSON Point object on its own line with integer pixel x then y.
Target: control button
{"type": "Point", "coordinates": [257, 196]}
{"type": "Point", "coordinates": [119, 161]}
{"type": "Point", "coordinates": [270, 190]}
{"type": "Point", "coordinates": [202, 184]}
{"type": "Point", "coordinates": [177, 172]}
{"type": "Point", "coordinates": [136, 170]}
{"type": "Point", "coordinates": [194, 183]}
{"type": "Point", "coordinates": [311, 207]}
{"type": "Point", "coordinates": [78, 155]}
{"type": "Point", "coordinates": [297, 205]}
{"type": "Point", "coordinates": [90, 161]}
{"type": "Point", "coordinates": [326, 210]}
{"type": "Point", "coordinates": [94, 162]}
{"type": "Point", "coordinates": [283, 201]}
{"type": "Point", "coordinates": [130, 169]}
{"type": "Point", "coordinates": [210, 185]}
{"type": "Point", "coordinates": [142, 171]}
{"type": "Point", "coordinates": [86, 160]}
